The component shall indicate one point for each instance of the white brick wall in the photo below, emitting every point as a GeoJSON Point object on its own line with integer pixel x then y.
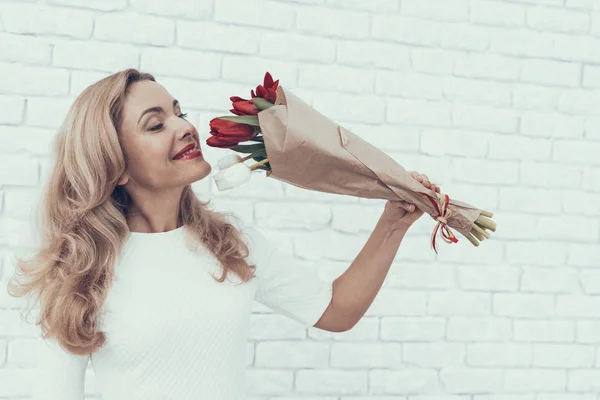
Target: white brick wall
{"type": "Point", "coordinates": [496, 100]}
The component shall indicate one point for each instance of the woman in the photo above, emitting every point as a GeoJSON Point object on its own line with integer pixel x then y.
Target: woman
{"type": "Point", "coordinates": [126, 275]}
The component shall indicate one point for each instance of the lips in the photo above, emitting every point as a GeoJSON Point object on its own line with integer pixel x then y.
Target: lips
{"type": "Point", "coordinates": [186, 148]}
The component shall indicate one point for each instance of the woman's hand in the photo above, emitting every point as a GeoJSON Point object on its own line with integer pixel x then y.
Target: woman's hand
{"type": "Point", "coordinates": [403, 213]}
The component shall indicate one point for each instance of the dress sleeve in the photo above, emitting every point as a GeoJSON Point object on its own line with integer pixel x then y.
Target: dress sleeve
{"type": "Point", "coordinates": [59, 375]}
{"type": "Point", "coordinates": [286, 286]}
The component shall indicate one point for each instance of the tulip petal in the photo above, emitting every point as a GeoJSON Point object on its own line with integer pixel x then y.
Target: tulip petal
{"type": "Point", "coordinates": [215, 141]}
{"type": "Point", "coordinates": [268, 81]}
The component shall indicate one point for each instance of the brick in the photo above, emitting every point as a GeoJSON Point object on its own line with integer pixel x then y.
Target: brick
{"type": "Point", "coordinates": [25, 49]}
{"type": "Point", "coordinates": [329, 382]}
{"type": "Point", "coordinates": [408, 85]}
{"type": "Point", "coordinates": [551, 125]}
{"type": "Point", "coordinates": [521, 43]}
{"type": "Point", "coordinates": [465, 37]}
{"type": "Point", "coordinates": [373, 5]}
{"type": "Point", "coordinates": [558, 20]}
{"type": "Point", "coordinates": [549, 174]}
{"type": "Point", "coordinates": [45, 112]}
{"type": "Point", "coordinates": [293, 47]}
{"type": "Point", "coordinates": [433, 61]}
{"type": "Point", "coordinates": [550, 280]}
{"type": "Point", "coordinates": [434, 355]}
{"type": "Point", "coordinates": [535, 98]}
{"type": "Point", "coordinates": [535, 380]}
{"type": "Point", "coordinates": [138, 29]}
{"type": "Point", "coordinates": [498, 355]}
{"type": "Point", "coordinates": [11, 110]}
{"type": "Point", "coordinates": [563, 356]}
{"type": "Point", "coordinates": [404, 381]}
{"type": "Point", "coordinates": [539, 253]}
{"type": "Point", "coordinates": [95, 56]}
{"type": "Point", "coordinates": [457, 303]}
{"type": "Point", "coordinates": [255, 13]}
{"type": "Point", "coordinates": [497, 13]}
{"type": "Point", "coordinates": [490, 66]}
{"type": "Point", "coordinates": [183, 8]}
{"type": "Point", "coordinates": [336, 78]}
{"type": "Point", "coordinates": [569, 228]}
{"type": "Point", "coordinates": [464, 380]}
{"type": "Point", "coordinates": [485, 171]}
{"type": "Point", "coordinates": [101, 5]}
{"type": "Point", "coordinates": [583, 255]}
{"type": "Point", "coordinates": [588, 331]}
{"type": "Point", "coordinates": [503, 147]}
{"type": "Point", "coordinates": [520, 305]}
{"type": "Point", "coordinates": [485, 329]}
{"type": "Point", "coordinates": [590, 280]}
{"type": "Point", "coordinates": [329, 22]}
{"type": "Point", "coordinates": [576, 152]}
{"type": "Point", "coordinates": [462, 90]}
{"type": "Point", "coordinates": [292, 215]}
{"type": "Point", "coordinates": [552, 73]}
{"type": "Point", "coordinates": [395, 302]}
{"type": "Point", "coordinates": [269, 382]}
{"type": "Point", "coordinates": [33, 80]}
{"type": "Point", "coordinates": [181, 63]}
{"type": "Point", "coordinates": [577, 48]}
{"type": "Point", "coordinates": [286, 354]}
{"type": "Point", "coordinates": [43, 20]}
{"type": "Point", "coordinates": [366, 355]}
{"type": "Point", "coordinates": [402, 29]}
{"type": "Point", "coordinates": [445, 10]}
{"type": "Point", "coordinates": [520, 199]}
{"type": "Point", "coordinates": [554, 330]}
{"type": "Point", "coordinates": [374, 53]}
{"type": "Point", "coordinates": [415, 329]}
{"type": "Point", "coordinates": [418, 112]}
{"type": "Point", "coordinates": [488, 278]}
{"type": "Point", "coordinates": [27, 168]}
{"type": "Point", "coordinates": [578, 306]}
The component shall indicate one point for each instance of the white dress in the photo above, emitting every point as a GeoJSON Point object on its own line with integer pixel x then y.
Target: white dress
{"type": "Point", "coordinates": [173, 332]}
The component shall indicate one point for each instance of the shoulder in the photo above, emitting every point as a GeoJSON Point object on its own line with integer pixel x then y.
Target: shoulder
{"type": "Point", "coordinates": [259, 246]}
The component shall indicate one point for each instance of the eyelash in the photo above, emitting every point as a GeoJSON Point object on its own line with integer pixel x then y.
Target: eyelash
{"type": "Point", "coordinates": [159, 126]}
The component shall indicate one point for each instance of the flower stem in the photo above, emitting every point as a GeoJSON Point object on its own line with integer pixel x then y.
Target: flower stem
{"type": "Point", "coordinates": [258, 164]}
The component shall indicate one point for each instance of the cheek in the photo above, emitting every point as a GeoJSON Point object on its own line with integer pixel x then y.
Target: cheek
{"type": "Point", "coordinates": [150, 159]}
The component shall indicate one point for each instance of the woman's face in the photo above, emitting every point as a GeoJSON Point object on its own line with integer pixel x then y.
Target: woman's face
{"type": "Point", "coordinates": [152, 138]}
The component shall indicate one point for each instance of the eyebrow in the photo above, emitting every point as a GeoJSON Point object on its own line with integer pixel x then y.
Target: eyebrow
{"type": "Point", "coordinates": [156, 109]}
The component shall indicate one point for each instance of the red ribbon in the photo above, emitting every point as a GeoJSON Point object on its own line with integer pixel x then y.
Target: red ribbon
{"type": "Point", "coordinates": [444, 213]}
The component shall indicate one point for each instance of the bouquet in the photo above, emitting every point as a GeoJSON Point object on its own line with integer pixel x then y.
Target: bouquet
{"type": "Point", "coordinates": [296, 144]}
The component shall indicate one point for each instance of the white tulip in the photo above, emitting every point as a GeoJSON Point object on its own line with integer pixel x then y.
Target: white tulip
{"type": "Point", "coordinates": [228, 161]}
{"type": "Point", "coordinates": [233, 176]}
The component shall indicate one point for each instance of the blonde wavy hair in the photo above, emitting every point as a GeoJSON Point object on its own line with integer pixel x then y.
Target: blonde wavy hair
{"type": "Point", "coordinates": [82, 222]}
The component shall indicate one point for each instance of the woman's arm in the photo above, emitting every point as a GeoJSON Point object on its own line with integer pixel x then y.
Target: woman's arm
{"type": "Point", "coordinates": [356, 288]}
{"type": "Point", "coordinates": [59, 375]}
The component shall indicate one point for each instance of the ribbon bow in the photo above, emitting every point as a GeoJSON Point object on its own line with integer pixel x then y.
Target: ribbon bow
{"type": "Point", "coordinates": [444, 213]}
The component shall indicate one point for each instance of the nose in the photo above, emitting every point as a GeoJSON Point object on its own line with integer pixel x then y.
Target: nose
{"type": "Point", "coordinates": [187, 129]}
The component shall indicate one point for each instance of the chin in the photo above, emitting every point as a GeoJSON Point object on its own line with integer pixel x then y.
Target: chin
{"type": "Point", "coordinates": [202, 171]}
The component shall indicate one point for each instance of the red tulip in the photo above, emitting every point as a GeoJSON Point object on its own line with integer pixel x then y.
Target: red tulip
{"type": "Point", "coordinates": [215, 141]}
{"type": "Point", "coordinates": [228, 133]}
{"type": "Point", "coordinates": [243, 106]}
{"type": "Point", "coordinates": [267, 90]}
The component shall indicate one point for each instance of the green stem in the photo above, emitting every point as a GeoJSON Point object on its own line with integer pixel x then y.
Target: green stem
{"type": "Point", "coordinates": [258, 164]}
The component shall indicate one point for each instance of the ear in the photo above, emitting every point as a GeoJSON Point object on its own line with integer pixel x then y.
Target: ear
{"type": "Point", "coordinates": [124, 179]}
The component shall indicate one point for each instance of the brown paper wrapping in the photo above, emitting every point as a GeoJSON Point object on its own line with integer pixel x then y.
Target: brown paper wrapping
{"type": "Point", "coordinates": [308, 150]}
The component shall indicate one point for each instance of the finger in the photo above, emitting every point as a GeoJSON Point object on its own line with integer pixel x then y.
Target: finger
{"type": "Point", "coordinates": [408, 206]}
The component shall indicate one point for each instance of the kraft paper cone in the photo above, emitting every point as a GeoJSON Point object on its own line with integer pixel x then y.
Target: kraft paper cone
{"type": "Point", "coordinates": [308, 150]}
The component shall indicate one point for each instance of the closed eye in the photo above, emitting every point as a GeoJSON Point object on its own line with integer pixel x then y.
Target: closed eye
{"type": "Point", "coordinates": [160, 126]}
